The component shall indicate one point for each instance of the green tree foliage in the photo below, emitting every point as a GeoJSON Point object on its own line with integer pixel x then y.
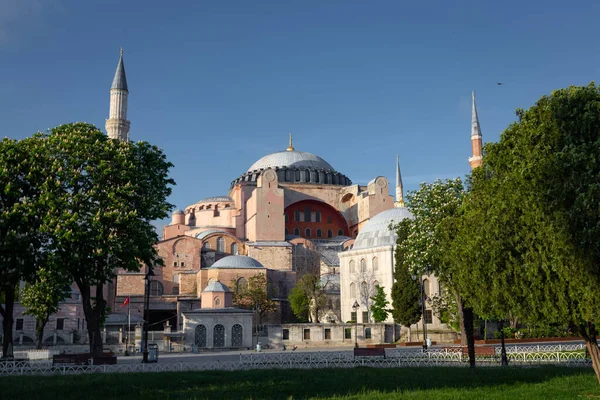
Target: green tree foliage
{"type": "Point", "coordinates": [42, 297]}
{"type": "Point", "coordinates": [535, 202]}
{"type": "Point", "coordinates": [21, 241]}
{"type": "Point", "coordinates": [379, 308]}
{"type": "Point", "coordinates": [406, 292]}
{"type": "Point", "coordinates": [314, 292]}
{"type": "Point", "coordinates": [299, 303]}
{"type": "Point", "coordinates": [435, 207]}
{"type": "Point", "coordinates": [101, 197]}
{"type": "Point", "coordinates": [255, 297]}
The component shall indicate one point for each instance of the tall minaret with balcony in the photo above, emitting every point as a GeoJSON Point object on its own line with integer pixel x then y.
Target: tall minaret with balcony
{"type": "Point", "coordinates": [399, 187]}
{"type": "Point", "coordinates": [117, 125]}
{"type": "Point", "coordinates": [476, 139]}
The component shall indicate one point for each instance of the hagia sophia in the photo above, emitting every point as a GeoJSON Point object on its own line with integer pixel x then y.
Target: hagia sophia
{"type": "Point", "coordinates": [289, 213]}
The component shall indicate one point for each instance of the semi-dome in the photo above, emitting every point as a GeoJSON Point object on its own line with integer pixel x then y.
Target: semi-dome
{"type": "Point", "coordinates": [237, 262]}
{"type": "Point", "coordinates": [376, 232]}
{"type": "Point", "coordinates": [291, 159]}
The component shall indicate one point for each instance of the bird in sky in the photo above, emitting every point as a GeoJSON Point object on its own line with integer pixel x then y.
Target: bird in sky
{"type": "Point", "coordinates": [499, 83]}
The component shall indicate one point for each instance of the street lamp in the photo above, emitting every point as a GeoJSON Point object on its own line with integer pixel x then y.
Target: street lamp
{"type": "Point", "coordinates": [257, 309]}
{"type": "Point", "coordinates": [355, 307]}
{"type": "Point", "coordinates": [147, 278]}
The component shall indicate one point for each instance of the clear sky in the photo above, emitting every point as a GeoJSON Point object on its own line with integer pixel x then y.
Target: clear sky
{"type": "Point", "coordinates": [219, 84]}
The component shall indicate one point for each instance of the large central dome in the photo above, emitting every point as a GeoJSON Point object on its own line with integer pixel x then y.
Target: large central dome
{"type": "Point", "coordinates": [291, 159]}
{"type": "Point", "coordinates": [294, 166]}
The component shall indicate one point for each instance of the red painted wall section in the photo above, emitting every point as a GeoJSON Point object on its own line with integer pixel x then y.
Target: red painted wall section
{"type": "Point", "coordinates": [330, 219]}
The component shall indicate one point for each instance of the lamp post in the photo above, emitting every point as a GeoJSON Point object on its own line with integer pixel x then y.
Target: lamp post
{"type": "Point", "coordinates": [257, 309]}
{"type": "Point", "coordinates": [423, 312]}
{"type": "Point", "coordinates": [355, 307]}
{"type": "Point", "coordinates": [147, 279]}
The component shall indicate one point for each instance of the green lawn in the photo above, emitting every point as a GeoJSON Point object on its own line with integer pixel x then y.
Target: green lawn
{"type": "Point", "coordinates": [358, 383]}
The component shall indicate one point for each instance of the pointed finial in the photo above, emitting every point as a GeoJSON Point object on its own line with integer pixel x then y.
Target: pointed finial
{"type": "Point", "coordinates": [121, 51]}
{"type": "Point", "coordinates": [399, 187]}
{"type": "Point", "coordinates": [290, 147]}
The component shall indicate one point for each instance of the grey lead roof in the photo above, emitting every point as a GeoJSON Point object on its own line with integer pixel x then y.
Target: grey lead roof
{"type": "Point", "coordinates": [216, 199]}
{"type": "Point", "coordinates": [237, 262]}
{"type": "Point", "coordinates": [120, 80]}
{"type": "Point", "coordinates": [291, 159]}
{"type": "Point", "coordinates": [376, 232]}
{"type": "Point", "coordinates": [216, 286]}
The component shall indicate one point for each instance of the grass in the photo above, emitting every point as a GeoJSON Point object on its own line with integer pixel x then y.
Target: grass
{"type": "Point", "coordinates": [357, 383]}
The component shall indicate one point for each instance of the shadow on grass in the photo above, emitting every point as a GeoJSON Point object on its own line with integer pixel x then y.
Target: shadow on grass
{"type": "Point", "coordinates": [285, 384]}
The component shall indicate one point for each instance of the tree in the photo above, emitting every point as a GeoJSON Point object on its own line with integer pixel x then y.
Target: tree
{"type": "Point", "coordinates": [299, 303]}
{"type": "Point", "coordinates": [255, 297]}
{"type": "Point", "coordinates": [42, 297]}
{"type": "Point", "coordinates": [21, 241]}
{"type": "Point", "coordinates": [406, 291]}
{"type": "Point", "coordinates": [379, 308]}
{"type": "Point", "coordinates": [309, 292]}
{"type": "Point", "coordinates": [102, 196]}
{"type": "Point", "coordinates": [544, 173]}
{"type": "Point", "coordinates": [426, 244]}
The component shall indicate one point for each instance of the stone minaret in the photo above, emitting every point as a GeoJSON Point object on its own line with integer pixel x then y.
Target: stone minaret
{"type": "Point", "coordinates": [399, 196]}
{"type": "Point", "coordinates": [476, 140]}
{"type": "Point", "coordinates": [117, 126]}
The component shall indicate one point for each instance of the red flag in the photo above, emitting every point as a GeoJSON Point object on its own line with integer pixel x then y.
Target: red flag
{"type": "Point", "coordinates": [125, 302]}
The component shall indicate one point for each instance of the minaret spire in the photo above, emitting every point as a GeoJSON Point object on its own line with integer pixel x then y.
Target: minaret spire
{"type": "Point", "coordinates": [476, 139]}
{"type": "Point", "coordinates": [399, 187]}
{"type": "Point", "coordinates": [117, 125]}
{"type": "Point", "coordinates": [290, 147]}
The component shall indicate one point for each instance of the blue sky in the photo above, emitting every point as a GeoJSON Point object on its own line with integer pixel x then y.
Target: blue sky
{"type": "Point", "coordinates": [219, 84]}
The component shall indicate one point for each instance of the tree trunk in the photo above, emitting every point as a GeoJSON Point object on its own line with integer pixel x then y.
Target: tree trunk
{"type": "Point", "coordinates": [465, 315]}
{"type": "Point", "coordinates": [589, 333]}
{"type": "Point", "coordinates": [503, 345]}
{"type": "Point", "coordinates": [7, 315]}
{"type": "Point", "coordinates": [93, 314]}
{"type": "Point", "coordinates": [40, 325]}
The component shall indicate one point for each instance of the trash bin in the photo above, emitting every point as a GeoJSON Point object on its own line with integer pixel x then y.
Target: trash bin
{"type": "Point", "coordinates": [258, 347]}
{"type": "Point", "coordinates": [152, 353]}
{"type": "Point", "coordinates": [428, 342]}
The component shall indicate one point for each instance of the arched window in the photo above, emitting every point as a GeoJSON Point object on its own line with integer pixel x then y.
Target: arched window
{"type": "Point", "coordinates": [219, 336]}
{"type": "Point", "coordinates": [156, 288]}
{"type": "Point", "coordinates": [352, 269]}
{"type": "Point", "coordinates": [329, 233]}
{"type": "Point", "coordinates": [426, 287]}
{"type": "Point", "coordinates": [206, 246]}
{"type": "Point", "coordinates": [242, 284]}
{"type": "Point", "coordinates": [307, 214]}
{"type": "Point", "coordinates": [352, 290]}
{"type": "Point", "coordinates": [237, 335]}
{"type": "Point", "coordinates": [217, 301]}
{"type": "Point", "coordinates": [235, 249]}
{"type": "Point", "coordinates": [297, 231]}
{"type": "Point", "coordinates": [375, 284]}
{"type": "Point", "coordinates": [319, 233]}
{"type": "Point", "coordinates": [221, 245]}
{"type": "Point", "coordinates": [297, 215]}
{"type": "Point", "coordinates": [340, 232]}
{"type": "Point", "coordinates": [363, 265]}
{"type": "Point", "coordinates": [307, 232]}
{"type": "Point", "coordinates": [288, 175]}
{"type": "Point", "coordinates": [375, 265]}
{"type": "Point", "coordinates": [364, 289]}
{"type": "Point", "coordinates": [200, 338]}
{"type": "Point", "coordinates": [318, 216]}
{"type": "Point", "coordinates": [192, 219]}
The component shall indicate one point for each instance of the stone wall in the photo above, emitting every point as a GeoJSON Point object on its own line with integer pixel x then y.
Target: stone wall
{"type": "Point", "coordinates": [331, 335]}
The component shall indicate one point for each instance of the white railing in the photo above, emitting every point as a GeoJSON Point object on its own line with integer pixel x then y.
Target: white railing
{"type": "Point", "coordinates": [302, 361]}
{"type": "Point", "coordinates": [541, 348]}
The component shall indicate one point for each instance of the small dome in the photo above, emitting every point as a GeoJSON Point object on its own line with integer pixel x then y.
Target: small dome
{"type": "Point", "coordinates": [177, 212]}
{"type": "Point", "coordinates": [216, 286]}
{"type": "Point", "coordinates": [376, 232]}
{"type": "Point", "coordinates": [291, 159]}
{"type": "Point", "coordinates": [237, 262]}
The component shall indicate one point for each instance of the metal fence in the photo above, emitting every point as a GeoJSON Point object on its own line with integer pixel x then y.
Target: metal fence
{"type": "Point", "coordinates": [306, 360]}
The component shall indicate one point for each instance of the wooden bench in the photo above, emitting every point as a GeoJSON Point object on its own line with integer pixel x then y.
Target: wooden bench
{"type": "Point", "coordinates": [481, 351]}
{"type": "Point", "coordinates": [71, 359]}
{"type": "Point", "coordinates": [369, 352]}
{"type": "Point", "coordinates": [107, 358]}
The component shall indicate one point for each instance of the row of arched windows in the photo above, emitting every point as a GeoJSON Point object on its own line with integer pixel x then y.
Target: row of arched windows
{"type": "Point", "coordinates": [363, 265]}
{"type": "Point", "coordinates": [364, 289]}
{"type": "Point", "coordinates": [237, 336]}
{"type": "Point", "coordinates": [234, 248]}
{"type": "Point", "coordinates": [318, 232]}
